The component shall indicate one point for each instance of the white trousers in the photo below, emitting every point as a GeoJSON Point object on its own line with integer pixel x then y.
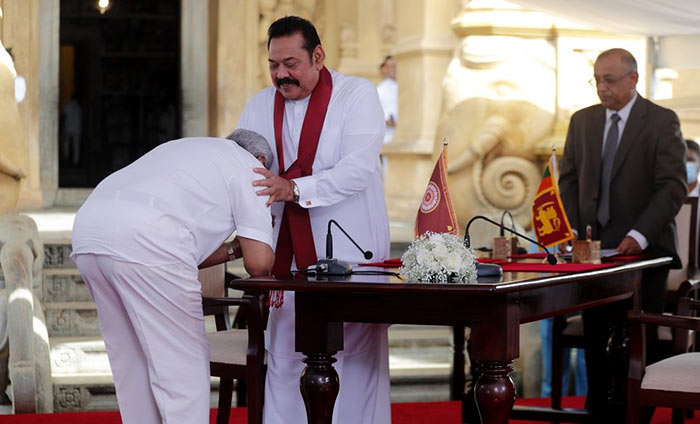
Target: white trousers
{"type": "Point", "coordinates": [152, 323]}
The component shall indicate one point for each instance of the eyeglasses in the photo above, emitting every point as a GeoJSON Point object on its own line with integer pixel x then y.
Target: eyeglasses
{"type": "Point", "coordinates": [608, 81]}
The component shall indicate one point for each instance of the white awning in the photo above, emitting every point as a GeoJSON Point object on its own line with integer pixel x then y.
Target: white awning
{"type": "Point", "coordinates": [644, 17]}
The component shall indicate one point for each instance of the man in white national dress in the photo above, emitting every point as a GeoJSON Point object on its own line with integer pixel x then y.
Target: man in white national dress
{"type": "Point", "coordinates": [327, 129]}
{"type": "Point", "coordinates": [138, 241]}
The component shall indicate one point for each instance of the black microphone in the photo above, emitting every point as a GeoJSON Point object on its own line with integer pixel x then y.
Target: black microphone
{"type": "Point", "coordinates": [467, 242]}
{"type": "Point", "coordinates": [332, 266]}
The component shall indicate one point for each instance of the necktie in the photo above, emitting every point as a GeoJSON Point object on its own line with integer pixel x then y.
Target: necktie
{"type": "Point", "coordinates": [603, 214]}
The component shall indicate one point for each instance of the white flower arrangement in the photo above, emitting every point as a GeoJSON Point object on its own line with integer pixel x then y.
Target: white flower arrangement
{"type": "Point", "coordinates": [439, 258]}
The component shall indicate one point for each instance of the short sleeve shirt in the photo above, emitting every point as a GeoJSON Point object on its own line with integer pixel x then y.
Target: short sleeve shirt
{"type": "Point", "coordinates": [177, 203]}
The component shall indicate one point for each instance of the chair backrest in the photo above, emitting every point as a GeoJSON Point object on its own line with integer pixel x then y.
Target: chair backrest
{"type": "Point", "coordinates": [213, 281]}
{"type": "Point", "coordinates": [686, 226]}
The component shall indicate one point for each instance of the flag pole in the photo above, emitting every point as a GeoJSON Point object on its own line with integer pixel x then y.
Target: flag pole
{"type": "Point", "coordinates": [444, 151]}
{"type": "Point", "coordinates": [553, 163]}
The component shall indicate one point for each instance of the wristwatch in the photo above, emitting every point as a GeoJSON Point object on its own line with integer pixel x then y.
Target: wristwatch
{"type": "Point", "coordinates": [295, 192]}
{"type": "Point", "coordinates": [230, 252]}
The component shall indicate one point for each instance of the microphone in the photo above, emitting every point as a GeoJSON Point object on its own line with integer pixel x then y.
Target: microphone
{"type": "Point", "coordinates": [332, 266]}
{"type": "Point", "coordinates": [551, 259]}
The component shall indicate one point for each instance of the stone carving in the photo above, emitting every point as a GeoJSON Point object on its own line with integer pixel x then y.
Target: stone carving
{"type": "Point", "coordinates": [498, 103]}
{"type": "Point", "coordinates": [24, 340]}
{"type": "Point", "coordinates": [68, 398]}
{"type": "Point", "coordinates": [57, 256]}
{"type": "Point", "coordinates": [13, 151]}
{"type": "Point", "coordinates": [79, 319]}
{"type": "Point", "coordinates": [65, 288]}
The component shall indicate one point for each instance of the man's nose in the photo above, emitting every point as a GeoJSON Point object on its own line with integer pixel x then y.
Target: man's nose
{"type": "Point", "coordinates": [282, 72]}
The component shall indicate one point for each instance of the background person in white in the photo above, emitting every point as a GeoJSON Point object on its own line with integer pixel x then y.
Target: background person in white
{"type": "Point", "coordinates": [138, 241]}
{"type": "Point", "coordinates": [345, 185]}
{"type": "Point", "coordinates": [388, 90]}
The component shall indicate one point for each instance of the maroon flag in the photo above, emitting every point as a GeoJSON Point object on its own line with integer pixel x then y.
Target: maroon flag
{"type": "Point", "coordinates": [436, 212]}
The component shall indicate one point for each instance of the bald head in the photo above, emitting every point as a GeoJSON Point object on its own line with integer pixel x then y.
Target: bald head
{"type": "Point", "coordinates": [628, 61]}
{"type": "Point", "coordinates": [254, 143]}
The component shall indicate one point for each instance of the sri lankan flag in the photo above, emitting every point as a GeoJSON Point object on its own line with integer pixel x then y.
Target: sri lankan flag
{"type": "Point", "coordinates": [436, 212]}
{"type": "Point", "coordinates": [548, 215]}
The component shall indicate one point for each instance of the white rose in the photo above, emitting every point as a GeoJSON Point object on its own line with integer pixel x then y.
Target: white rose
{"type": "Point", "coordinates": [453, 262]}
{"type": "Point", "coordinates": [423, 258]}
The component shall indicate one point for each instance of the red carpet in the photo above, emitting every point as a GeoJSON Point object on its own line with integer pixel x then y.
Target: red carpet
{"type": "Point", "coordinates": [402, 413]}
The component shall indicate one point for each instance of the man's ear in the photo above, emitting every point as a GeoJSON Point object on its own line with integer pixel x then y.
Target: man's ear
{"type": "Point", "coordinates": [318, 57]}
{"type": "Point", "coordinates": [261, 158]}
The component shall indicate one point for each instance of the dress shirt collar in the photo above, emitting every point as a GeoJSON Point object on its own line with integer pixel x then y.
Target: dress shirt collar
{"type": "Point", "coordinates": [624, 113]}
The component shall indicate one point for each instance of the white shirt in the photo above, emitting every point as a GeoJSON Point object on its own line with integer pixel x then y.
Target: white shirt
{"type": "Point", "coordinates": [346, 184]}
{"type": "Point", "coordinates": [177, 203]}
{"type": "Point", "coordinates": [388, 91]}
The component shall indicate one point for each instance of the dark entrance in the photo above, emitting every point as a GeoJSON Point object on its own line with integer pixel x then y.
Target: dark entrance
{"type": "Point", "coordinates": [119, 84]}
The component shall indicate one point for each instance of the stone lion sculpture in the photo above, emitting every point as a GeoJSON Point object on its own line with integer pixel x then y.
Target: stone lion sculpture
{"type": "Point", "coordinates": [499, 97]}
{"type": "Point", "coordinates": [24, 339]}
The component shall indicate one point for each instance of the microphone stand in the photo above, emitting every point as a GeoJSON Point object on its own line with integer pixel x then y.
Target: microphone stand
{"type": "Point", "coordinates": [331, 266]}
{"type": "Point", "coordinates": [551, 259]}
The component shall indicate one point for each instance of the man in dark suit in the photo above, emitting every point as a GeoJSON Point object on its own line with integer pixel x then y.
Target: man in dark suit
{"type": "Point", "coordinates": [623, 173]}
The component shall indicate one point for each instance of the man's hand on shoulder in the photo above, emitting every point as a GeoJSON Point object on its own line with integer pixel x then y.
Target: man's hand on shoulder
{"type": "Point", "coordinates": [629, 246]}
{"type": "Point", "coordinates": [279, 189]}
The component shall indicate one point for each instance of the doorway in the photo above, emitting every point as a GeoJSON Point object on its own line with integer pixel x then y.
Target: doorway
{"type": "Point", "coordinates": [119, 85]}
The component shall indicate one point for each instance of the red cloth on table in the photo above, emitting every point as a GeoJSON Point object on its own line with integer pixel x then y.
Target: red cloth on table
{"type": "Point", "coordinates": [388, 263]}
{"type": "Point", "coordinates": [539, 255]}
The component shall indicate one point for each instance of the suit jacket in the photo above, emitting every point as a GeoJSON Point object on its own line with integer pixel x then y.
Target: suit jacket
{"type": "Point", "coordinates": [648, 183]}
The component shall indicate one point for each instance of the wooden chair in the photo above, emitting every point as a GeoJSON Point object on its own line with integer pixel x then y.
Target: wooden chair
{"type": "Point", "coordinates": [236, 353]}
{"type": "Point", "coordinates": [673, 382]}
{"type": "Point", "coordinates": [568, 332]}
{"type": "Point", "coordinates": [682, 282]}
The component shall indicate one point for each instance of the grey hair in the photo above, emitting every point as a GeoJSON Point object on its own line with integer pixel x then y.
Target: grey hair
{"type": "Point", "coordinates": [627, 59]}
{"type": "Point", "coordinates": [254, 143]}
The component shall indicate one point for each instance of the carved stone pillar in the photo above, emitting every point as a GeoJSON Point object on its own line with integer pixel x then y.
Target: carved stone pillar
{"type": "Point", "coordinates": [20, 32]}
{"type": "Point", "coordinates": [194, 63]}
{"type": "Point", "coordinates": [361, 39]}
{"type": "Point", "coordinates": [424, 47]}
{"type": "Point", "coordinates": [233, 61]}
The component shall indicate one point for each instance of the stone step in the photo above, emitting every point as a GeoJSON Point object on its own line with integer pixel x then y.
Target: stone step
{"type": "Point", "coordinates": [95, 392]}
{"type": "Point", "coordinates": [419, 357]}
{"type": "Point", "coordinates": [64, 285]}
{"type": "Point", "coordinates": [420, 353]}
{"type": "Point", "coordinates": [71, 356]}
{"type": "Point", "coordinates": [71, 319]}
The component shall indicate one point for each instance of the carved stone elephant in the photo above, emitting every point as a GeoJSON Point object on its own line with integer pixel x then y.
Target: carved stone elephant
{"type": "Point", "coordinates": [499, 97]}
{"type": "Point", "coordinates": [24, 340]}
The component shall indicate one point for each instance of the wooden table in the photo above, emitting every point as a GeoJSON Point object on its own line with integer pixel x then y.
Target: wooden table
{"type": "Point", "coordinates": [493, 311]}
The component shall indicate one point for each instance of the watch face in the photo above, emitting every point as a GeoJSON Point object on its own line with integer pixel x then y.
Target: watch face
{"type": "Point", "coordinates": [295, 192]}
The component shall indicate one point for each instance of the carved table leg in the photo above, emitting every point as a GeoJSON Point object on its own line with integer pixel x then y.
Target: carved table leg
{"type": "Point", "coordinates": [619, 363]}
{"type": "Point", "coordinates": [319, 387]}
{"type": "Point", "coordinates": [458, 362]}
{"type": "Point", "coordinates": [494, 392]}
